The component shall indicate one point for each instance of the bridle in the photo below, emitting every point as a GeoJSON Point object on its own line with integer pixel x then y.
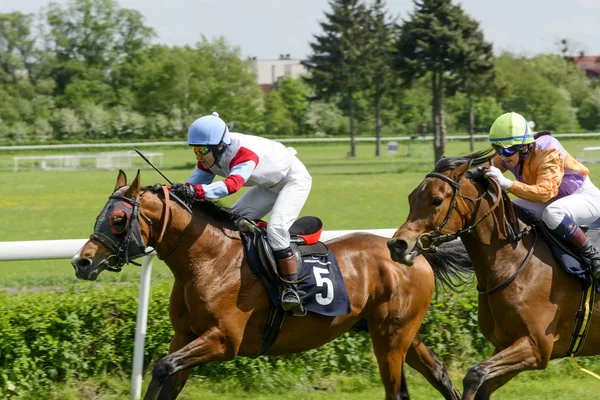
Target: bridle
{"type": "Point", "coordinates": [127, 245]}
{"type": "Point", "coordinates": [435, 237]}
{"type": "Point", "coordinates": [426, 242]}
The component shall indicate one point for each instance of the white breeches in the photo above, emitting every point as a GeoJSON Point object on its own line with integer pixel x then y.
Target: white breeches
{"type": "Point", "coordinates": [284, 201]}
{"type": "Point", "coordinates": [583, 206]}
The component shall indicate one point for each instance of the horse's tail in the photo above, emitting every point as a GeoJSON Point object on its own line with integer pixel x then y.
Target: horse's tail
{"type": "Point", "coordinates": [451, 265]}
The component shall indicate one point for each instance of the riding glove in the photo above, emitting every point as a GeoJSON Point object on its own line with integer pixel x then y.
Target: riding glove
{"type": "Point", "coordinates": [503, 181]}
{"type": "Point", "coordinates": [185, 192]}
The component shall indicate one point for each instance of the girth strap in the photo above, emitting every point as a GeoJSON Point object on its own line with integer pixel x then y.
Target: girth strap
{"type": "Point", "coordinates": [583, 320]}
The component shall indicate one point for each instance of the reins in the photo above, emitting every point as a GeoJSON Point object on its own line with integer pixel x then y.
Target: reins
{"type": "Point", "coordinates": [435, 237]}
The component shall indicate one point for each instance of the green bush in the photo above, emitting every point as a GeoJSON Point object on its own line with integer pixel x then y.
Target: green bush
{"type": "Point", "coordinates": [88, 331]}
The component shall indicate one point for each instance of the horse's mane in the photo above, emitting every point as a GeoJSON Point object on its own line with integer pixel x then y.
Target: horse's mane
{"type": "Point", "coordinates": [477, 158]}
{"type": "Point", "coordinates": [213, 209]}
{"type": "Point", "coordinates": [218, 212]}
{"type": "Point", "coordinates": [451, 265]}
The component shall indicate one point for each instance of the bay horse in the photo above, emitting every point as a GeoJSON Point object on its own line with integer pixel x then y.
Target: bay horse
{"type": "Point", "coordinates": [218, 307]}
{"type": "Point", "coordinates": [527, 302]}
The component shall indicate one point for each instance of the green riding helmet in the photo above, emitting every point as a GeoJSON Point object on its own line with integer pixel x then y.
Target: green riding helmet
{"type": "Point", "coordinates": [510, 129]}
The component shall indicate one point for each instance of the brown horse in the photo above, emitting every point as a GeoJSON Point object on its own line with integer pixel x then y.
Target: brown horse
{"type": "Point", "coordinates": [218, 307]}
{"type": "Point", "coordinates": [527, 303]}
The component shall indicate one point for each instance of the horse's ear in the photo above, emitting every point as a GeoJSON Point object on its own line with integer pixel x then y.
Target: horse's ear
{"type": "Point", "coordinates": [121, 180]}
{"type": "Point", "coordinates": [134, 189]}
{"type": "Point", "coordinates": [459, 172]}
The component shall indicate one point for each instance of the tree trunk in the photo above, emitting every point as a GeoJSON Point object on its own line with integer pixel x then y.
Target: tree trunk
{"type": "Point", "coordinates": [378, 125]}
{"type": "Point", "coordinates": [471, 123]}
{"type": "Point", "coordinates": [352, 133]}
{"type": "Point", "coordinates": [439, 124]}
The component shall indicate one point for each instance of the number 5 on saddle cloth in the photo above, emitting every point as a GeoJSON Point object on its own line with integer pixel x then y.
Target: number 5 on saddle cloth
{"type": "Point", "coordinates": [321, 284]}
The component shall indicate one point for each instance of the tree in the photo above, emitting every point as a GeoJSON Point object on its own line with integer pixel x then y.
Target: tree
{"type": "Point", "coordinates": [278, 120]}
{"type": "Point", "coordinates": [337, 64]}
{"type": "Point", "coordinates": [476, 75]}
{"type": "Point", "coordinates": [380, 74]}
{"type": "Point", "coordinates": [436, 40]}
{"type": "Point", "coordinates": [293, 92]}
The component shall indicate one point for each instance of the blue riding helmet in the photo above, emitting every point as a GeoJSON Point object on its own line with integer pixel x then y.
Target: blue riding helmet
{"type": "Point", "coordinates": [208, 130]}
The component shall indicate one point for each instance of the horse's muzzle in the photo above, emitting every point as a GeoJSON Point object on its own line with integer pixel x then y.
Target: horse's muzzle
{"type": "Point", "coordinates": [398, 251]}
{"type": "Point", "coordinates": [85, 268]}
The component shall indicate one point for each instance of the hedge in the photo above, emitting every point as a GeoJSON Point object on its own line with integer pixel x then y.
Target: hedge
{"type": "Point", "coordinates": [88, 331]}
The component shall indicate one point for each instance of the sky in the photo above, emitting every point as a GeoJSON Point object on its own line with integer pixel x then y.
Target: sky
{"type": "Point", "coordinates": [267, 28]}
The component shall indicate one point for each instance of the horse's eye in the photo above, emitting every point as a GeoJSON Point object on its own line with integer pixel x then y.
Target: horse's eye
{"type": "Point", "coordinates": [436, 201]}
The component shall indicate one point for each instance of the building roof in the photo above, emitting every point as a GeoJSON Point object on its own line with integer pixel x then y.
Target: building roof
{"type": "Point", "coordinates": [590, 64]}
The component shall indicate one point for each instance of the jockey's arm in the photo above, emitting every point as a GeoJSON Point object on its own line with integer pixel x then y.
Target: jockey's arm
{"type": "Point", "coordinates": [200, 176]}
{"type": "Point", "coordinates": [550, 172]}
{"type": "Point", "coordinates": [235, 180]}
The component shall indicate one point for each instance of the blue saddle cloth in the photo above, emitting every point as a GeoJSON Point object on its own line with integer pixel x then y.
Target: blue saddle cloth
{"type": "Point", "coordinates": [324, 289]}
{"type": "Point", "coordinates": [567, 258]}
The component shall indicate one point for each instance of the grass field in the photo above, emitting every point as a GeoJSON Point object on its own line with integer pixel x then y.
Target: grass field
{"type": "Point", "coordinates": [364, 192]}
{"type": "Point", "coordinates": [532, 385]}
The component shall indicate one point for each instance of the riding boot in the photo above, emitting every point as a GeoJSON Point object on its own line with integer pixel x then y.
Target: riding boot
{"type": "Point", "coordinates": [290, 298]}
{"type": "Point", "coordinates": [591, 256]}
{"type": "Point", "coordinates": [589, 253]}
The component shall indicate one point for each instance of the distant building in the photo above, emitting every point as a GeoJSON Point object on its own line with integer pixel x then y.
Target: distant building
{"type": "Point", "coordinates": [269, 72]}
{"type": "Point", "coordinates": [590, 64]}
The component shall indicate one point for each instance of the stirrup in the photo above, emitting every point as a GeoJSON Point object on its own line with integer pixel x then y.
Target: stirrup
{"type": "Point", "coordinates": [292, 303]}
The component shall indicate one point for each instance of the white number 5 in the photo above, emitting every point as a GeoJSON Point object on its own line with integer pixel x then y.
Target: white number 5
{"type": "Point", "coordinates": [320, 280]}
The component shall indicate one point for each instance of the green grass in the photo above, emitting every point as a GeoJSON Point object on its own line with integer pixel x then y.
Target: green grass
{"type": "Point", "coordinates": [364, 192]}
{"type": "Point", "coordinates": [540, 387]}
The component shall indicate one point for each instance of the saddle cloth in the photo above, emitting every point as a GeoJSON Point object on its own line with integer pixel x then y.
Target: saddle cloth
{"type": "Point", "coordinates": [563, 252]}
{"type": "Point", "coordinates": [322, 289]}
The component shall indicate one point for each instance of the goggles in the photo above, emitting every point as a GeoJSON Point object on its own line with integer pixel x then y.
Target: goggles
{"type": "Point", "coordinates": [202, 150]}
{"type": "Point", "coordinates": [508, 151]}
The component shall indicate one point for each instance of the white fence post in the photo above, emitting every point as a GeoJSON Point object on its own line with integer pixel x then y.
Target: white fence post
{"type": "Point", "coordinates": [140, 328]}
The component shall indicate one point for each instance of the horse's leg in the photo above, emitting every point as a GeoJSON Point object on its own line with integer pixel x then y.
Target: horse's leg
{"type": "Point", "coordinates": [175, 383]}
{"type": "Point", "coordinates": [390, 349]}
{"type": "Point", "coordinates": [489, 375]}
{"type": "Point", "coordinates": [486, 390]}
{"type": "Point", "coordinates": [210, 346]}
{"type": "Point", "coordinates": [427, 364]}
{"type": "Point", "coordinates": [403, 387]}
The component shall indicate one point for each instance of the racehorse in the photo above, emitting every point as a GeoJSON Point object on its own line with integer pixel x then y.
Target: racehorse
{"type": "Point", "coordinates": [218, 307]}
{"type": "Point", "coordinates": [527, 303]}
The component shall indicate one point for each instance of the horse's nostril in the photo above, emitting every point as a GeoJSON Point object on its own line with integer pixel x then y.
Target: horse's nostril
{"type": "Point", "coordinates": [397, 245]}
{"type": "Point", "coordinates": [84, 263]}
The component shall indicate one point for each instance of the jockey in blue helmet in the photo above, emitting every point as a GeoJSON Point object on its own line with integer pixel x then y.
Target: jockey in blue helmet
{"type": "Point", "coordinates": [279, 184]}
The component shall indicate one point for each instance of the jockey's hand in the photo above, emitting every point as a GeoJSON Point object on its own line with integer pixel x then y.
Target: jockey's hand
{"type": "Point", "coordinates": [184, 191]}
{"type": "Point", "coordinates": [495, 173]}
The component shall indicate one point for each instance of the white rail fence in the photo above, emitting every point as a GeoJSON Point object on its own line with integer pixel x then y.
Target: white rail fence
{"type": "Point", "coordinates": [285, 140]}
{"type": "Point", "coordinates": [66, 249]}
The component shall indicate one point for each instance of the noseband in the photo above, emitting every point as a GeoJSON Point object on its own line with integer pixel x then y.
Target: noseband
{"type": "Point", "coordinates": [426, 242]}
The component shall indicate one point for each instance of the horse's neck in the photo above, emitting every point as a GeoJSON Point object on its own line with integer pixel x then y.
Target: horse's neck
{"type": "Point", "coordinates": [493, 254]}
{"type": "Point", "coordinates": [199, 250]}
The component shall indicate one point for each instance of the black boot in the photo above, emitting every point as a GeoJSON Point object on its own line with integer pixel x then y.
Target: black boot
{"type": "Point", "coordinates": [592, 257]}
{"type": "Point", "coordinates": [290, 298]}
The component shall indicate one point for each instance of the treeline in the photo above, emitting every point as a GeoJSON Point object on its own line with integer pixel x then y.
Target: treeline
{"type": "Point", "coordinates": [87, 70]}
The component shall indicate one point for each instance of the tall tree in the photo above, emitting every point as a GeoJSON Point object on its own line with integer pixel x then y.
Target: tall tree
{"type": "Point", "coordinates": [379, 73]}
{"type": "Point", "coordinates": [338, 59]}
{"type": "Point", "coordinates": [434, 41]}
{"type": "Point", "coordinates": [475, 75]}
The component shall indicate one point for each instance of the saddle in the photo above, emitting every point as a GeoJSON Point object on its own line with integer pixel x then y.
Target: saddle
{"type": "Point", "coordinates": [305, 233]}
{"type": "Point", "coordinates": [562, 251]}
